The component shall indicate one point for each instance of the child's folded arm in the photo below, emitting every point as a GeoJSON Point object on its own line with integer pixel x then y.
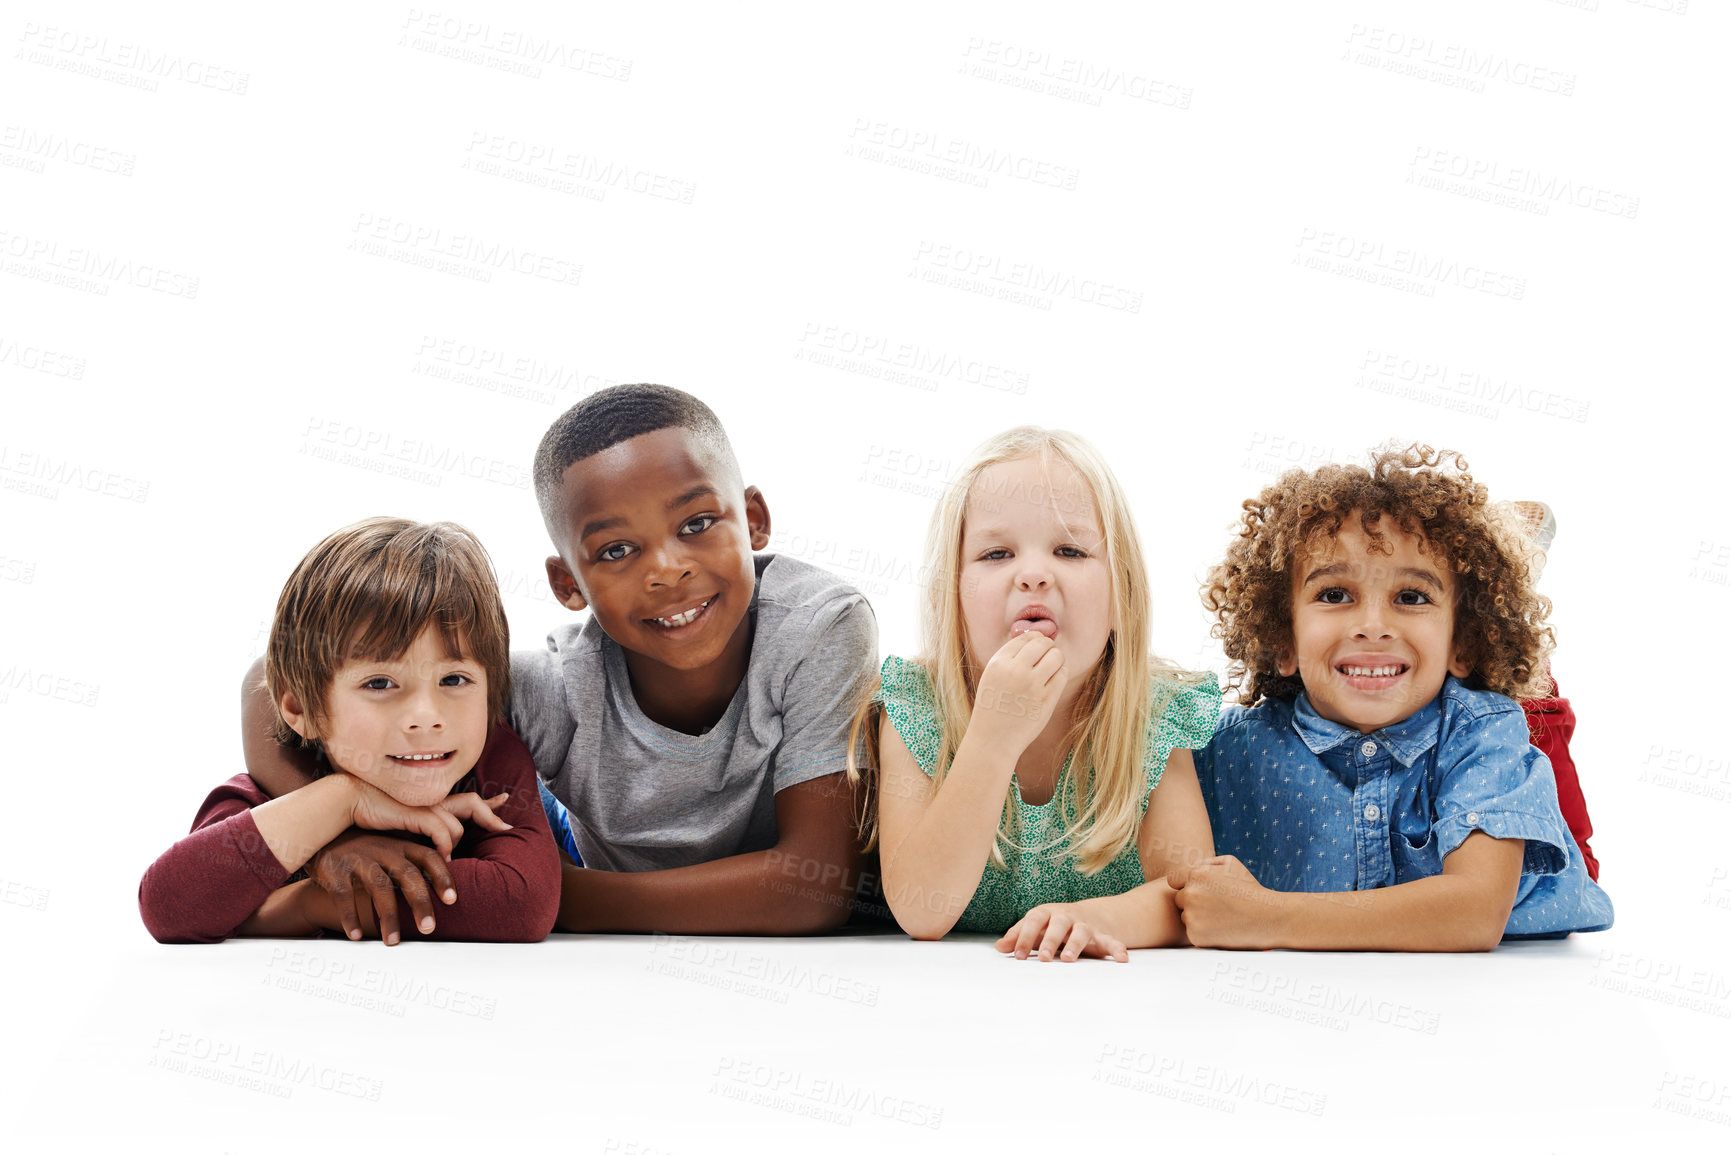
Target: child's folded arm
{"type": "Point", "coordinates": [1465, 908]}
{"type": "Point", "coordinates": [205, 886]}
{"type": "Point", "coordinates": [803, 885]}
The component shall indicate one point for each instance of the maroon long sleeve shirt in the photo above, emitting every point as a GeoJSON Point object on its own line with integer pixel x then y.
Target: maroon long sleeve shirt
{"type": "Point", "coordinates": [203, 887]}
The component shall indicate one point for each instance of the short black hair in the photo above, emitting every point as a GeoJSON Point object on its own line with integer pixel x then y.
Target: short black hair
{"type": "Point", "coordinates": [604, 419]}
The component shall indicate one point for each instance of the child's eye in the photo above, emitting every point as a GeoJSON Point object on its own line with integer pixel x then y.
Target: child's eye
{"type": "Point", "coordinates": [1071, 551]}
{"type": "Point", "coordinates": [618, 551]}
{"type": "Point", "coordinates": [995, 555]}
{"type": "Point", "coordinates": [379, 683]}
{"type": "Point", "coordinates": [456, 680]}
{"type": "Point", "coordinates": [698, 524]}
{"type": "Point", "coordinates": [1333, 596]}
{"type": "Point", "coordinates": [1412, 598]}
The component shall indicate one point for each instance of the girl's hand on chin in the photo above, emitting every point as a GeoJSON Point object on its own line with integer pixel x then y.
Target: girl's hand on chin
{"type": "Point", "coordinates": [1019, 688]}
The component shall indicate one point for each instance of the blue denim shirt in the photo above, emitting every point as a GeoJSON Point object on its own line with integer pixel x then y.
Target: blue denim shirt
{"type": "Point", "coordinates": [1311, 805]}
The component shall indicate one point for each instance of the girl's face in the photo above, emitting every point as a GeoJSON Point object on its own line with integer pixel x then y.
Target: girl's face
{"type": "Point", "coordinates": [1034, 558]}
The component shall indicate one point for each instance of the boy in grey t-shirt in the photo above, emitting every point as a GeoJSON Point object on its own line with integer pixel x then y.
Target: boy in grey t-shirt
{"type": "Point", "coordinates": [696, 725]}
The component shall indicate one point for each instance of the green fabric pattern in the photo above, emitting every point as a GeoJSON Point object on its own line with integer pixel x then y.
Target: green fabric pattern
{"type": "Point", "coordinates": [1183, 718]}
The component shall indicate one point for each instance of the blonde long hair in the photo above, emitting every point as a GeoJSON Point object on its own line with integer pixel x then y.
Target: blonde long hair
{"type": "Point", "coordinates": [1109, 729]}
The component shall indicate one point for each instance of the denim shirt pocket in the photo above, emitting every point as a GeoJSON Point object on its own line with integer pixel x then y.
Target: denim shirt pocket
{"type": "Point", "coordinates": [1413, 836]}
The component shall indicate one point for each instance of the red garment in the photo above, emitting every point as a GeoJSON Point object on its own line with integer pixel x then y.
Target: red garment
{"type": "Point", "coordinates": [1551, 722]}
{"type": "Point", "coordinates": [207, 884]}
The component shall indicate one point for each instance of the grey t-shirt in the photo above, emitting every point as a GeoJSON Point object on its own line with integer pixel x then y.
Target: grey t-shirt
{"type": "Point", "coordinates": [644, 797]}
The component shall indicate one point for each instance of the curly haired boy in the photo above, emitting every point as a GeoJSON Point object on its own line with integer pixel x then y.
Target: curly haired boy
{"type": "Point", "coordinates": [1376, 788]}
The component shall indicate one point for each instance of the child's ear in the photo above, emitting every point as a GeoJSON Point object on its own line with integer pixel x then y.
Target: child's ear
{"type": "Point", "coordinates": [289, 707]}
{"type": "Point", "coordinates": [1286, 663]}
{"type": "Point", "coordinates": [1459, 665]}
{"type": "Point", "coordinates": [756, 517]}
{"type": "Point", "coordinates": [564, 584]}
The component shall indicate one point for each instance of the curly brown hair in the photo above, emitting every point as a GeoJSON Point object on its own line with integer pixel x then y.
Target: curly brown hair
{"type": "Point", "coordinates": [1499, 628]}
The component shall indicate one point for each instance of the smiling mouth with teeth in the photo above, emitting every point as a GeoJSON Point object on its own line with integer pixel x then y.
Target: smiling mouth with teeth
{"type": "Point", "coordinates": [1372, 671]}
{"type": "Point", "coordinates": [446, 756]}
{"type": "Point", "coordinates": [684, 618]}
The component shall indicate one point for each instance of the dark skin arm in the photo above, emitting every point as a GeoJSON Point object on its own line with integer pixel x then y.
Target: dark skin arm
{"type": "Point", "coordinates": [804, 885]}
{"type": "Point", "coordinates": [360, 870]}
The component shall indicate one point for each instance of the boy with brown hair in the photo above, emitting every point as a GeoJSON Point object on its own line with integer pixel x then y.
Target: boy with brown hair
{"type": "Point", "coordinates": [387, 669]}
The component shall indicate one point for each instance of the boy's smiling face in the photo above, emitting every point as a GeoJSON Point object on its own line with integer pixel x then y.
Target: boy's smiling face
{"type": "Point", "coordinates": [411, 726]}
{"type": "Point", "coordinates": [658, 545]}
{"type": "Point", "coordinates": [1373, 632]}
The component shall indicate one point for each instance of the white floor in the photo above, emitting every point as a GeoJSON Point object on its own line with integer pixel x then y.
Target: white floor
{"type": "Point", "coordinates": [852, 1043]}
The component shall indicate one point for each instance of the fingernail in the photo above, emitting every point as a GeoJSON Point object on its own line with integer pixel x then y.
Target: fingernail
{"type": "Point", "coordinates": [449, 895]}
{"type": "Point", "coordinates": [355, 935]}
{"type": "Point", "coordinates": [391, 939]}
{"type": "Point", "coordinates": [427, 924]}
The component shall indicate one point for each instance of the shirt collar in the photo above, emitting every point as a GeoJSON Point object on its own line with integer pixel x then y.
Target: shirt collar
{"type": "Point", "coordinates": [1407, 739]}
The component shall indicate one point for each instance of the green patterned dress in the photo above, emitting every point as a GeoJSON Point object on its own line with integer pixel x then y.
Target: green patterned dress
{"type": "Point", "coordinates": [1033, 876]}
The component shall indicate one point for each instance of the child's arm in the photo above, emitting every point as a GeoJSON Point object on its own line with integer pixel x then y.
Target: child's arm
{"type": "Point", "coordinates": [509, 877]}
{"type": "Point", "coordinates": [1173, 836]}
{"type": "Point", "coordinates": [1465, 908]}
{"type": "Point", "coordinates": [936, 841]}
{"type": "Point", "coordinates": [243, 846]}
{"type": "Point", "coordinates": [803, 885]}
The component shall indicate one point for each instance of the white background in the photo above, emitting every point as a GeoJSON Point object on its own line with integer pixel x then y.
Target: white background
{"type": "Point", "coordinates": [269, 271]}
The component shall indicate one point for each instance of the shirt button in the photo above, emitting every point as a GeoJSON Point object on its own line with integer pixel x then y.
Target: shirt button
{"type": "Point", "coordinates": [1368, 749]}
{"type": "Point", "coordinates": [1473, 816]}
{"type": "Point", "coordinates": [1372, 812]}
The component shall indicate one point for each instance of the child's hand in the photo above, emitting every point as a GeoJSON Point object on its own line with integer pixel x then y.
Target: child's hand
{"type": "Point", "coordinates": [442, 822]}
{"type": "Point", "coordinates": [1223, 905]}
{"type": "Point", "coordinates": [1019, 688]}
{"type": "Point", "coordinates": [362, 872]}
{"type": "Point", "coordinates": [1059, 934]}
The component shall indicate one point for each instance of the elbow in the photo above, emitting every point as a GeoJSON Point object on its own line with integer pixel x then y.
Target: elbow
{"type": "Point", "coordinates": [1487, 938]}
{"type": "Point", "coordinates": [922, 925]}
{"type": "Point", "coordinates": [165, 918]}
{"type": "Point", "coordinates": [922, 914]}
{"type": "Point", "coordinates": [1483, 933]}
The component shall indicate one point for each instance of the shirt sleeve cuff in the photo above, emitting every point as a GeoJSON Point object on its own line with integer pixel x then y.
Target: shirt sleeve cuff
{"type": "Point", "coordinates": [1547, 850]}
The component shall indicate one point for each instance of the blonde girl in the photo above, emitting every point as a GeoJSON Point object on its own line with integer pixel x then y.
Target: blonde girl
{"type": "Point", "coordinates": [1033, 776]}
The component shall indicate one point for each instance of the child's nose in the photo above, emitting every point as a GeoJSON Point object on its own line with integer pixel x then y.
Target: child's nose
{"type": "Point", "coordinates": [1034, 578]}
{"type": "Point", "coordinates": [1373, 621]}
{"type": "Point", "coordinates": [668, 563]}
{"type": "Point", "coordinates": [423, 712]}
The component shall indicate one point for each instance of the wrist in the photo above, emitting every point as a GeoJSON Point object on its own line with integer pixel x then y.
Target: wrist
{"type": "Point", "coordinates": [1282, 920]}
{"type": "Point", "coordinates": [986, 738]}
{"type": "Point", "coordinates": [345, 791]}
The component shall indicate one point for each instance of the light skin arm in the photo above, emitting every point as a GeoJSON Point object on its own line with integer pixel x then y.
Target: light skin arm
{"type": "Point", "coordinates": [936, 841]}
{"type": "Point", "coordinates": [804, 885]}
{"type": "Point", "coordinates": [1465, 908]}
{"type": "Point", "coordinates": [1174, 836]}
